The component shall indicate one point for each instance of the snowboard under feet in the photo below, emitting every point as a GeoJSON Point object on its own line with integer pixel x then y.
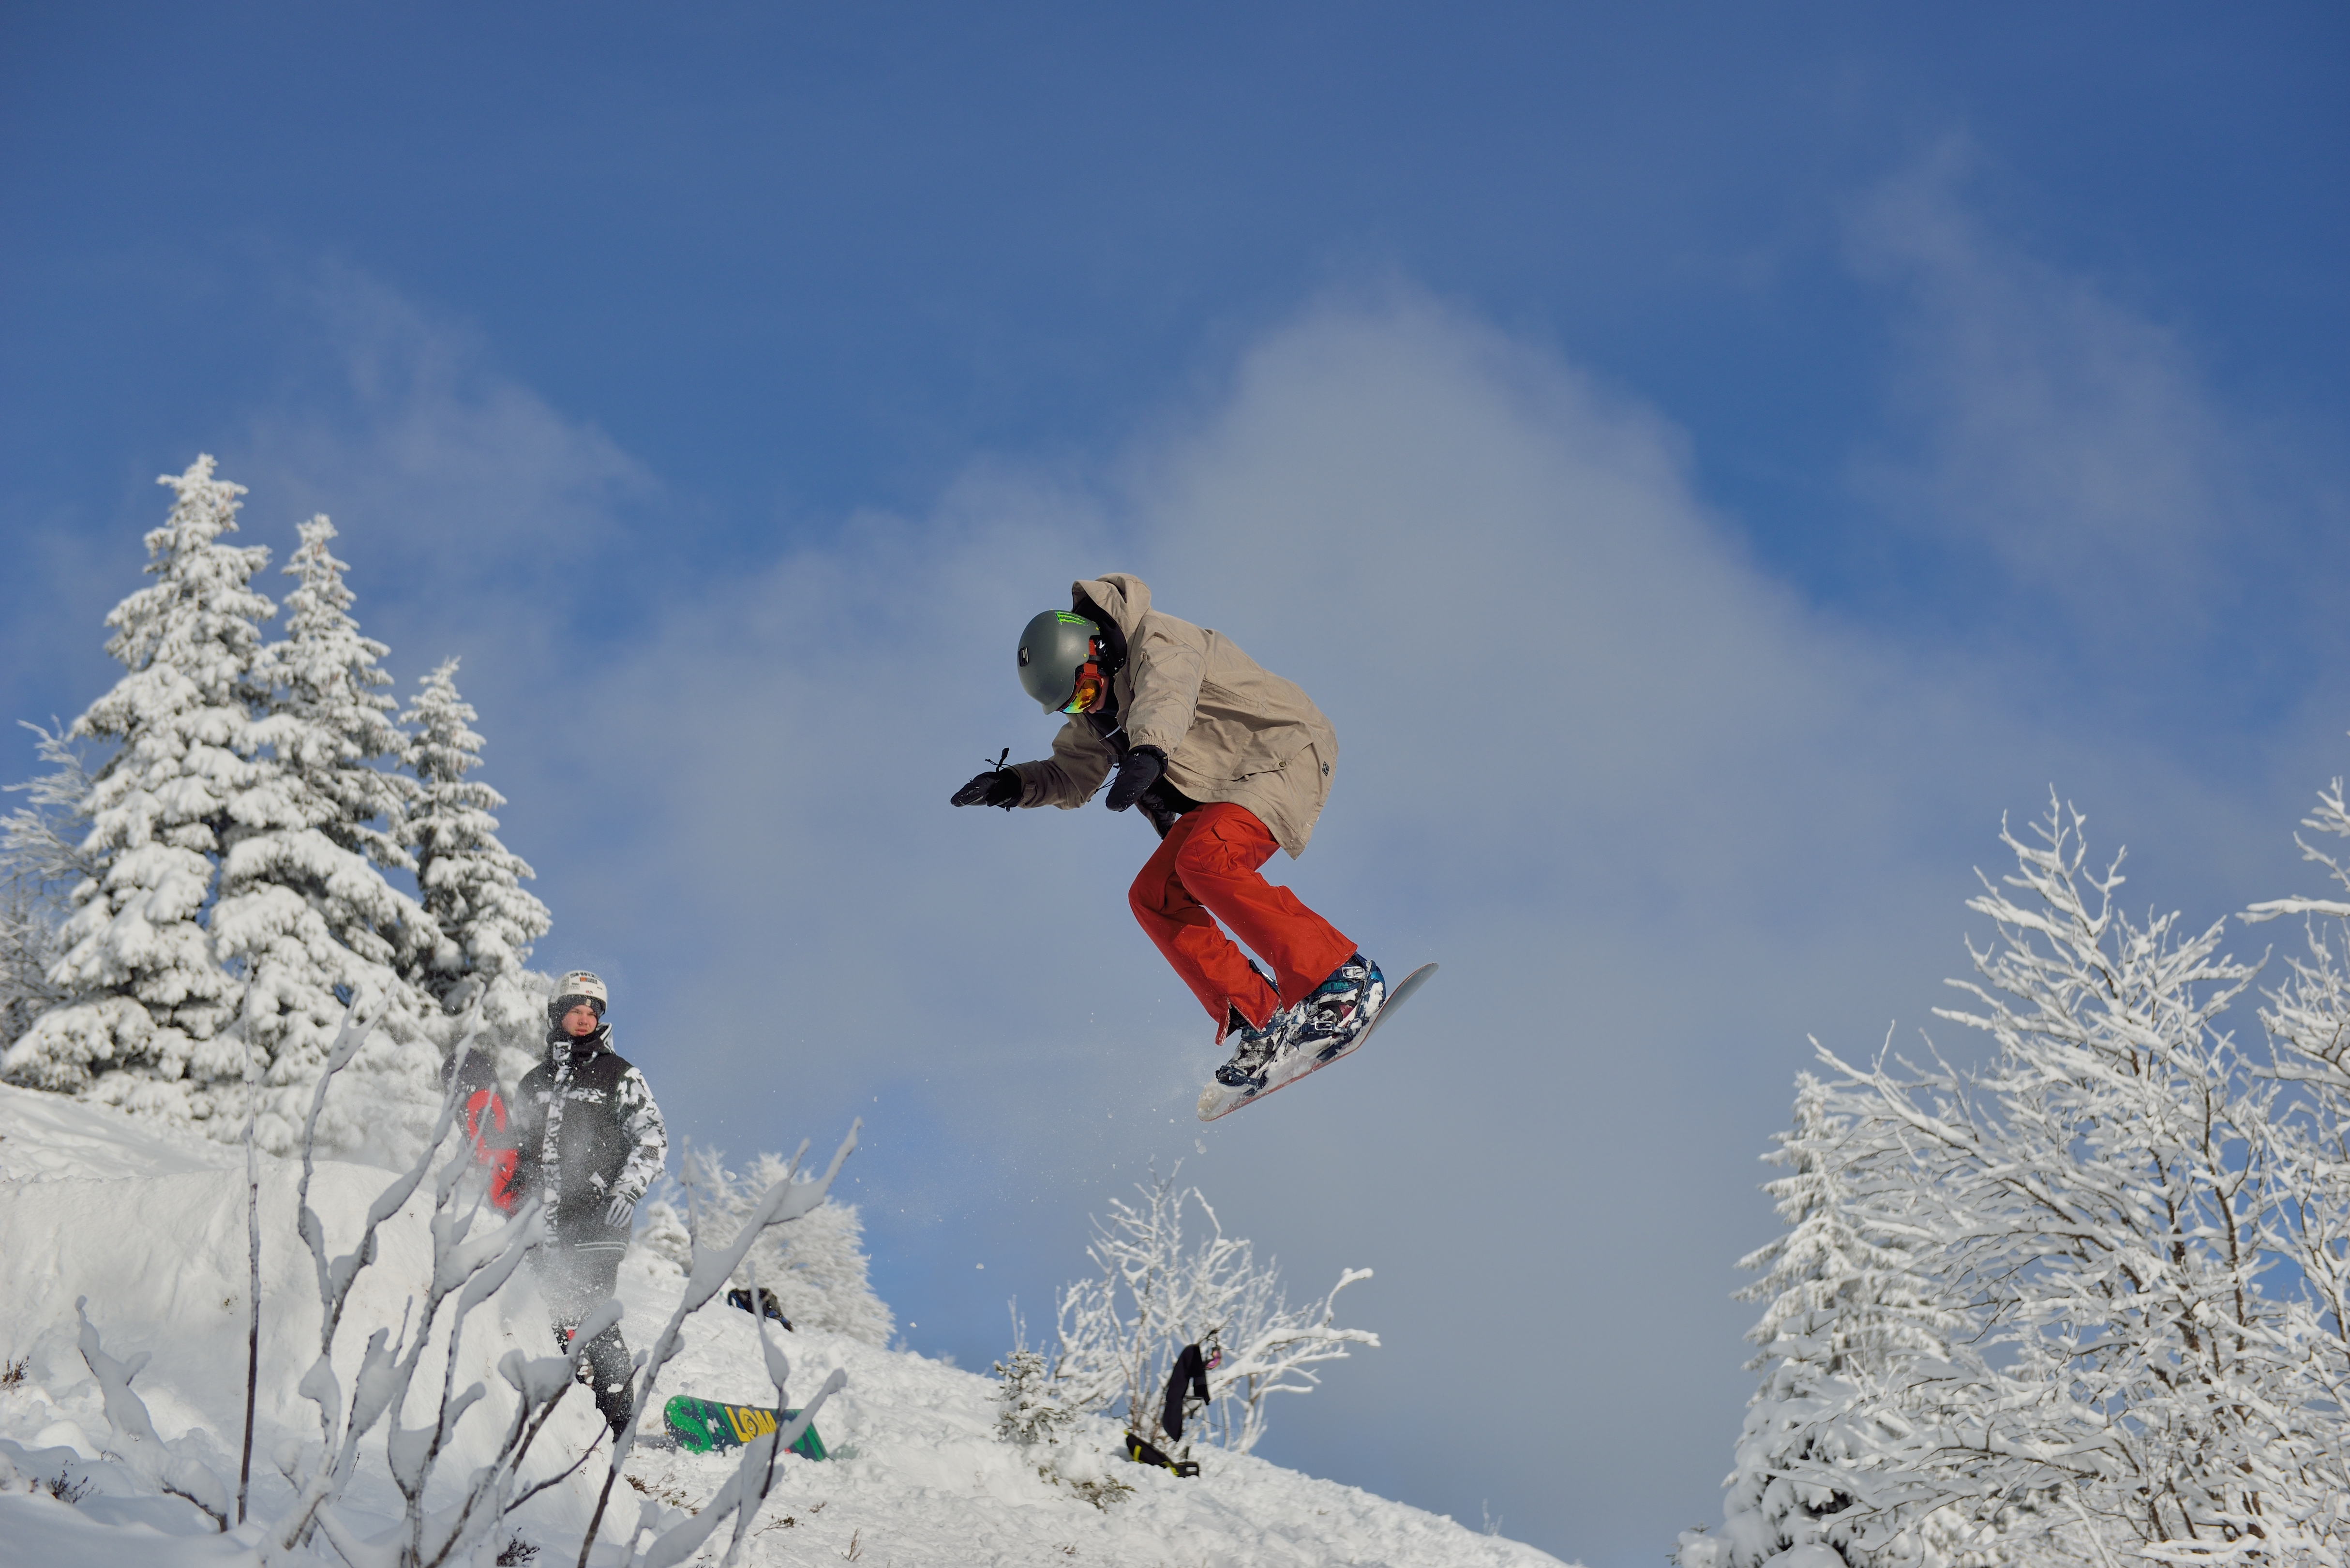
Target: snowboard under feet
{"type": "Point", "coordinates": [1221, 1100]}
{"type": "Point", "coordinates": [707, 1427]}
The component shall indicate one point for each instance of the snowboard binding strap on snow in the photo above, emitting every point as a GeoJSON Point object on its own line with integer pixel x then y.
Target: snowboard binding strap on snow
{"type": "Point", "coordinates": [1142, 1453]}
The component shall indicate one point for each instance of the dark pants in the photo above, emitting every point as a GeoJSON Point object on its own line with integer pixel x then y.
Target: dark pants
{"type": "Point", "coordinates": [575, 1280]}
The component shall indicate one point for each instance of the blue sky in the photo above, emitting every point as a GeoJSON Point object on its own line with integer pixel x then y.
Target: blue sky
{"type": "Point", "coordinates": [1711, 463]}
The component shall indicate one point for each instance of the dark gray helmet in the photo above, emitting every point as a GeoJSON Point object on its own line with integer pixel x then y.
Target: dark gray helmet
{"type": "Point", "coordinates": [1053, 649]}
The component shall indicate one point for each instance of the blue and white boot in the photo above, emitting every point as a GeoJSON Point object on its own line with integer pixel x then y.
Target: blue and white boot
{"type": "Point", "coordinates": [1335, 1015]}
{"type": "Point", "coordinates": [1254, 1050]}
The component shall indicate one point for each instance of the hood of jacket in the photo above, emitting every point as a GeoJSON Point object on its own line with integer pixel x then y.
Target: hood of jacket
{"type": "Point", "coordinates": [1122, 596]}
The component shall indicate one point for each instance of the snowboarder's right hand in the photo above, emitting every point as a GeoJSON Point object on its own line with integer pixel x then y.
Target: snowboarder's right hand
{"type": "Point", "coordinates": [1137, 772]}
{"type": "Point", "coordinates": [999, 786]}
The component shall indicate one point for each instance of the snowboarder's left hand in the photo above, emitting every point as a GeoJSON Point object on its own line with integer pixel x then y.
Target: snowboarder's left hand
{"type": "Point", "coordinates": [622, 1211]}
{"type": "Point", "coordinates": [1139, 772]}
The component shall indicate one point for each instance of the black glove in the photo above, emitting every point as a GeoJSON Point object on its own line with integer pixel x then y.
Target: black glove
{"type": "Point", "coordinates": [998, 787]}
{"type": "Point", "coordinates": [1139, 772]}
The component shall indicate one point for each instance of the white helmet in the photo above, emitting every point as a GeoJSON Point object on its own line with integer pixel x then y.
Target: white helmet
{"type": "Point", "coordinates": [575, 987]}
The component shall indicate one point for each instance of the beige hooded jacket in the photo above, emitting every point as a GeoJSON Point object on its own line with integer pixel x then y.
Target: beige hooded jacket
{"type": "Point", "coordinates": [1232, 730]}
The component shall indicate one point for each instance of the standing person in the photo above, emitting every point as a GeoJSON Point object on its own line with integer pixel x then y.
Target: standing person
{"type": "Point", "coordinates": [1228, 761]}
{"type": "Point", "coordinates": [590, 1141]}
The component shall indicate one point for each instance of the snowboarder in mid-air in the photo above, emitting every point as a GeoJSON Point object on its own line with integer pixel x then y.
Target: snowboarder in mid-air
{"type": "Point", "coordinates": [589, 1140]}
{"type": "Point", "coordinates": [1228, 762]}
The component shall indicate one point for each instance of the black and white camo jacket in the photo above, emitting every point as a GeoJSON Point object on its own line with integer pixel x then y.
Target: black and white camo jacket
{"type": "Point", "coordinates": [588, 1131]}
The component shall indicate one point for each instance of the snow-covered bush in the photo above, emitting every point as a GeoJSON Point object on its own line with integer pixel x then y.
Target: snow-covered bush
{"type": "Point", "coordinates": [2082, 1300]}
{"type": "Point", "coordinates": [817, 1271]}
{"type": "Point", "coordinates": [1117, 1335]}
{"type": "Point", "coordinates": [1029, 1414]}
{"type": "Point", "coordinates": [1033, 1416]}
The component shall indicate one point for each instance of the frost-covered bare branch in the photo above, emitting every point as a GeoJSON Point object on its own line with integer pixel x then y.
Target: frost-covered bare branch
{"type": "Point", "coordinates": [471, 1261]}
{"type": "Point", "coordinates": [169, 1466]}
{"type": "Point", "coordinates": [42, 859]}
{"type": "Point", "coordinates": [2082, 1299]}
{"type": "Point", "coordinates": [1118, 1333]}
{"type": "Point", "coordinates": [785, 1201]}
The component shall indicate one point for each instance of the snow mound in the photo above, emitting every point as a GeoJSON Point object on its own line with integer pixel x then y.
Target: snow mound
{"type": "Point", "coordinates": [52, 1138]}
{"type": "Point", "coordinates": [149, 1224]}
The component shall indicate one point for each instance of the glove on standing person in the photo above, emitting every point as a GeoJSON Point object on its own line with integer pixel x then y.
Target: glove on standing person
{"type": "Point", "coordinates": [1139, 770]}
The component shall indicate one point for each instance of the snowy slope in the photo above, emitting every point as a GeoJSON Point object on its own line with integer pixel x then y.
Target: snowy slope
{"type": "Point", "coordinates": [150, 1225]}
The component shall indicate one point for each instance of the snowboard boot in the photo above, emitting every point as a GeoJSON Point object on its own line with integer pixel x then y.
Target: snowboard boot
{"type": "Point", "coordinates": [1335, 1015]}
{"type": "Point", "coordinates": [1254, 1049]}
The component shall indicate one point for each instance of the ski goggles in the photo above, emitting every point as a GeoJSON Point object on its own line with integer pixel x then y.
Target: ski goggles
{"type": "Point", "coordinates": [1091, 684]}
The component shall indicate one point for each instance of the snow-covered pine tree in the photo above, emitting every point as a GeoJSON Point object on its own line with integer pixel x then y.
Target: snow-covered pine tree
{"type": "Point", "coordinates": [483, 920]}
{"type": "Point", "coordinates": [329, 719]}
{"type": "Point", "coordinates": [304, 912]}
{"type": "Point", "coordinates": [1850, 1310]}
{"type": "Point", "coordinates": [148, 1005]}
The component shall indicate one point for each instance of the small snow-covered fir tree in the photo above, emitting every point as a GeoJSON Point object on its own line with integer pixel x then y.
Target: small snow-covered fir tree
{"type": "Point", "coordinates": [817, 1269]}
{"type": "Point", "coordinates": [1028, 1412]}
{"type": "Point", "coordinates": [482, 920]}
{"type": "Point", "coordinates": [147, 1003]}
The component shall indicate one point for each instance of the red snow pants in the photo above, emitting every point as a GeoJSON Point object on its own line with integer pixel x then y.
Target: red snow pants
{"type": "Point", "coordinates": [1203, 871]}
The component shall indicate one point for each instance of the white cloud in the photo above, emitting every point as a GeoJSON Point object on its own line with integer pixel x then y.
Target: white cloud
{"type": "Point", "coordinates": [468, 505]}
{"type": "Point", "coordinates": [2055, 429]}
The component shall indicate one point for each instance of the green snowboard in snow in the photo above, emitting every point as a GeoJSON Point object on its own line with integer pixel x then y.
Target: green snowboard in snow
{"type": "Point", "coordinates": [707, 1427]}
